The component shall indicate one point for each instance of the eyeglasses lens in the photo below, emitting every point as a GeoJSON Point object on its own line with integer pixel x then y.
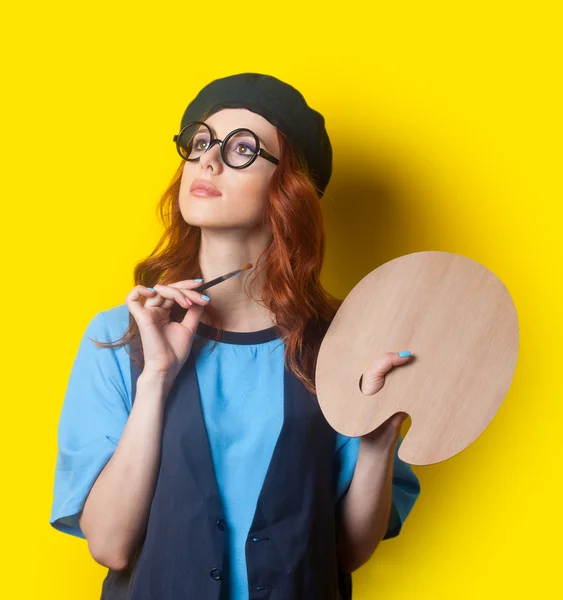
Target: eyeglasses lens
{"type": "Point", "coordinates": [239, 149]}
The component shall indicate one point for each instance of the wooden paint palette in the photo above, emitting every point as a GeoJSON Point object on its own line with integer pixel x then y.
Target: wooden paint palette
{"type": "Point", "coordinates": [460, 324]}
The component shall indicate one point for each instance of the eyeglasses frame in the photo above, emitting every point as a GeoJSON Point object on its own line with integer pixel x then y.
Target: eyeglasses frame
{"type": "Point", "coordinates": [259, 151]}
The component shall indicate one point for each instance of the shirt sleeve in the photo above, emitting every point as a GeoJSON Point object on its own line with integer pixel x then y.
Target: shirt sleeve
{"type": "Point", "coordinates": [406, 485]}
{"type": "Point", "coordinates": [346, 456]}
{"type": "Point", "coordinates": [406, 490]}
{"type": "Point", "coordinates": [93, 416]}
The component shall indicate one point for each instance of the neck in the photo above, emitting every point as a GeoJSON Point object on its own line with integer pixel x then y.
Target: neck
{"type": "Point", "coordinates": [227, 250]}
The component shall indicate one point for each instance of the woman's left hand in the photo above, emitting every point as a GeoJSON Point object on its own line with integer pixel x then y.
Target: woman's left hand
{"type": "Point", "coordinates": [372, 381]}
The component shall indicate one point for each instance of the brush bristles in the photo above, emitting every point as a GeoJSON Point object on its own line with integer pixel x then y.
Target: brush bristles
{"type": "Point", "coordinates": [246, 267]}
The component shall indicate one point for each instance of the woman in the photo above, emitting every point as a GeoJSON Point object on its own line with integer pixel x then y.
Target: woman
{"type": "Point", "coordinates": [199, 470]}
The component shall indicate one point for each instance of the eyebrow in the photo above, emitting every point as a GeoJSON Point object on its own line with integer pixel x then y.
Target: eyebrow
{"type": "Point", "coordinates": [262, 142]}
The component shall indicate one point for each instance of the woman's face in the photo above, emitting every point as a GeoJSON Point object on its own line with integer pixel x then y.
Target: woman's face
{"type": "Point", "coordinates": [244, 192]}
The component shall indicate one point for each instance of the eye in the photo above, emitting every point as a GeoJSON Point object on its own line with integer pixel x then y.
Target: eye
{"type": "Point", "coordinates": [197, 143]}
{"type": "Point", "coordinates": [250, 149]}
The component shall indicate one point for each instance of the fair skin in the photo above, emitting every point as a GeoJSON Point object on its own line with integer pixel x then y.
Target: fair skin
{"type": "Point", "coordinates": [231, 232]}
{"type": "Point", "coordinates": [366, 508]}
{"type": "Point", "coordinates": [117, 508]}
{"type": "Point", "coordinates": [232, 236]}
{"type": "Point", "coordinates": [116, 511]}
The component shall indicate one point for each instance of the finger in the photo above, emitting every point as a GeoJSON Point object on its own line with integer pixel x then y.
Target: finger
{"type": "Point", "coordinates": [186, 283]}
{"type": "Point", "coordinates": [171, 296]}
{"type": "Point", "coordinates": [186, 286]}
{"type": "Point", "coordinates": [134, 299]}
{"type": "Point", "coordinates": [386, 362]}
{"type": "Point", "coordinates": [192, 318]}
{"type": "Point", "coordinates": [138, 292]}
{"type": "Point", "coordinates": [197, 297]}
{"type": "Point", "coordinates": [374, 378]}
{"type": "Point", "coordinates": [158, 300]}
{"type": "Point", "coordinates": [191, 296]}
{"type": "Point", "coordinates": [186, 297]}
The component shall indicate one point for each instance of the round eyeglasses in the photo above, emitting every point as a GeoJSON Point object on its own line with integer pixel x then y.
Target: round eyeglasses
{"type": "Point", "coordinates": [239, 149]}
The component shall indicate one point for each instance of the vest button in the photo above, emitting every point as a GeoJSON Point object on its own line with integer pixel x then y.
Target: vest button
{"type": "Point", "coordinates": [216, 574]}
{"type": "Point", "coordinates": [221, 523]}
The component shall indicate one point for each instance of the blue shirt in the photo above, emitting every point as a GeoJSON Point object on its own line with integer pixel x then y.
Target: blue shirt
{"type": "Point", "coordinates": [241, 389]}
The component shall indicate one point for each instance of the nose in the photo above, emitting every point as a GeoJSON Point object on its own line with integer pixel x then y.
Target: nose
{"type": "Point", "coordinates": [212, 156]}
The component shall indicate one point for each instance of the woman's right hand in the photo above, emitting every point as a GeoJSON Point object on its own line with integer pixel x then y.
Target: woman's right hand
{"type": "Point", "coordinates": [166, 344]}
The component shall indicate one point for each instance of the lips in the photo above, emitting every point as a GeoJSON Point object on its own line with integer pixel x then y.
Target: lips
{"type": "Point", "coordinates": [205, 188]}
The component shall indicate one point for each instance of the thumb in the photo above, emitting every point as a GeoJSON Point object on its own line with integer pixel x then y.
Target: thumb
{"type": "Point", "coordinates": [192, 317]}
{"type": "Point", "coordinates": [374, 379]}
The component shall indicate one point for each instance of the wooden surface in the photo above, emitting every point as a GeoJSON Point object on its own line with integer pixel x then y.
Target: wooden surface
{"type": "Point", "coordinates": [460, 324]}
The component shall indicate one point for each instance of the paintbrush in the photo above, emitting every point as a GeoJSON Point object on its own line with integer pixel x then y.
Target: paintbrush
{"type": "Point", "coordinates": [217, 280]}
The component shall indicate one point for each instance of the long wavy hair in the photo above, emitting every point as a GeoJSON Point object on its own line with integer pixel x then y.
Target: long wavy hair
{"type": "Point", "coordinates": [292, 263]}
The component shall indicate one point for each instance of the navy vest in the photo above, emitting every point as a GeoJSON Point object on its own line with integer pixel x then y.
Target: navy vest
{"type": "Point", "coordinates": [291, 545]}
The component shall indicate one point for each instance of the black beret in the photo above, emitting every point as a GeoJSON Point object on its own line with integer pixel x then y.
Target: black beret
{"type": "Point", "coordinates": [279, 103]}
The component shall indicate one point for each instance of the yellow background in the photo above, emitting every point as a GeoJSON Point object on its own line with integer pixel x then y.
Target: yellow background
{"type": "Point", "coordinates": [445, 123]}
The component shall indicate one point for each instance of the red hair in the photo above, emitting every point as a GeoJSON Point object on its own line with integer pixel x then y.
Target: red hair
{"type": "Point", "coordinates": [291, 263]}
